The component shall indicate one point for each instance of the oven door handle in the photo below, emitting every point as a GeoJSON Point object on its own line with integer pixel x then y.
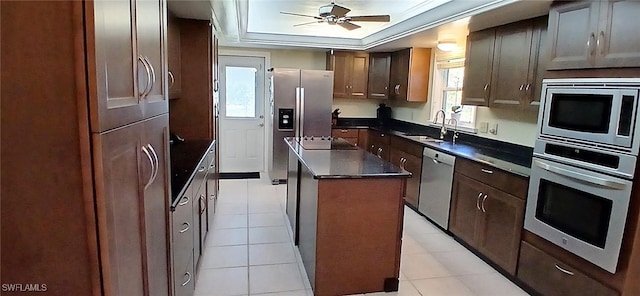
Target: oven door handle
{"type": "Point", "coordinates": [578, 176]}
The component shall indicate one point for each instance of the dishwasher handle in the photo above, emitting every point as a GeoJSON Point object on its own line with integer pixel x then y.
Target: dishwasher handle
{"type": "Point", "coordinates": [439, 157]}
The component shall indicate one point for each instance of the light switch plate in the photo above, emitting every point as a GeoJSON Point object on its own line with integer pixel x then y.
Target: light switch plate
{"type": "Point", "coordinates": [483, 127]}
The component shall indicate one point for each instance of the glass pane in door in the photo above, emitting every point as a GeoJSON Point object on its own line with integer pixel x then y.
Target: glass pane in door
{"type": "Point", "coordinates": [241, 92]}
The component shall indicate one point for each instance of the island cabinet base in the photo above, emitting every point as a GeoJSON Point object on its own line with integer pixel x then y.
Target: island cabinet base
{"type": "Point", "coordinates": [350, 233]}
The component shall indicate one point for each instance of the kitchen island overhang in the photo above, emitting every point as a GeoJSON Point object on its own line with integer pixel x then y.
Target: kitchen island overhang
{"type": "Point", "coordinates": [346, 211]}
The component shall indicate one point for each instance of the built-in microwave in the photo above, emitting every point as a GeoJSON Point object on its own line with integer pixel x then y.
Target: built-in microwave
{"type": "Point", "coordinates": [593, 111]}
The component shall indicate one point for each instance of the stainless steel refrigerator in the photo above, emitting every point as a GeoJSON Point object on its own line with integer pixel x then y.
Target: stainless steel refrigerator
{"type": "Point", "coordinates": [300, 107]}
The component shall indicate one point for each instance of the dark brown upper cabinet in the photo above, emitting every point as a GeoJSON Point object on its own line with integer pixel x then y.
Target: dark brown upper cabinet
{"type": "Point", "coordinates": [350, 74]}
{"type": "Point", "coordinates": [594, 34]}
{"type": "Point", "coordinates": [379, 70]}
{"type": "Point", "coordinates": [410, 69]}
{"type": "Point", "coordinates": [502, 69]}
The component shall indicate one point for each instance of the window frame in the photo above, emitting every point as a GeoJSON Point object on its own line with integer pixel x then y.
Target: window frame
{"type": "Point", "coordinates": [438, 95]}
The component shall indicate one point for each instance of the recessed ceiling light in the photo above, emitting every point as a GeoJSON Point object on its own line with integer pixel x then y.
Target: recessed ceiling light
{"type": "Point", "coordinates": [447, 45]}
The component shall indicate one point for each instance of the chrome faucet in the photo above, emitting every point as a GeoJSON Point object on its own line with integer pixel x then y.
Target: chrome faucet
{"type": "Point", "coordinates": [455, 129]}
{"type": "Point", "coordinates": [443, 130]}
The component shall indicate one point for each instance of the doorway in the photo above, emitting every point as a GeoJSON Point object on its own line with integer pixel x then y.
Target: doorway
{"type": "Point", "coordinates": [242, 100]}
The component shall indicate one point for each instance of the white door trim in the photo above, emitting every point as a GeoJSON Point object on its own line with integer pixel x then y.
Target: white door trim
{"type": "Point", "coordinates": [267, 65]}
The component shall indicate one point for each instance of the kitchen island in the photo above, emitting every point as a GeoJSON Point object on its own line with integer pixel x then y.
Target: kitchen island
{"type": "Point", "coordinates": [346, 211]}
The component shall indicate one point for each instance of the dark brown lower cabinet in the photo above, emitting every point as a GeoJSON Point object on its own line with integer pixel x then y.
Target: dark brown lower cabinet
{"type": "Point", "coordinates": [132, 200]}
{"type": "Point", "coordinates": [413, 165]}
{"type": "Point", "coordinates": [551, 277]}
{"type": "Point", "coordinates": [487, 219]}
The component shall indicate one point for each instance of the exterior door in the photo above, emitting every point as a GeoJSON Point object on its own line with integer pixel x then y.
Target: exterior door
{"type": "Point", "coordinates": [242, 114]}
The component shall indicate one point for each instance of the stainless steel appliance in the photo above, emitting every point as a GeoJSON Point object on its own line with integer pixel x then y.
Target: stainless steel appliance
{"type": "Point", "coordinates": [435, 186]}
{"type": "Point", "coordinates": [583, 166]}
{"type": "Point", "coordinates": [300, 106]}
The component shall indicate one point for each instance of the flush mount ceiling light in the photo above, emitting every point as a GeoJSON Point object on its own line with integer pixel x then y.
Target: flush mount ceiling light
{"type": "Point", "coordinates": [447, 45]}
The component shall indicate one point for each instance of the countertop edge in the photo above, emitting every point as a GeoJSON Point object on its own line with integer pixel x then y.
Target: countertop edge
{"type": "Point", "coordinates": [174, 203]}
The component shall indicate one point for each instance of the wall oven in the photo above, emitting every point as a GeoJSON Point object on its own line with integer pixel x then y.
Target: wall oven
{"type": "Point", "coordinates": [595, 111]}
{"type": "Point", "coordinates": [583, 166]}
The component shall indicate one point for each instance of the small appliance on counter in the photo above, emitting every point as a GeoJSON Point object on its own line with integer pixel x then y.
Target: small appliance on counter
{"type": "Point", "coordinates": [334, 117]}
{"type": "Point", "coordinates": [383, 115]}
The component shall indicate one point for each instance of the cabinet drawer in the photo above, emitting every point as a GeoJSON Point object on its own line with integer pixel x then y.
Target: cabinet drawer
{"type": "Point", "coordinates": [495, 177]}
{"type": "Point", "coordinates": [406, 146]}
{"type": "Point", "coordinates": [182, 231]}
{"type": "Point", "coordinates": [545, 274]}
{"type": "Point", "coordinates": [344, 133]}
{"type": "Point", "coordinates": [184, 279]}
{"type": "Point", "coordinates": [379, 137]}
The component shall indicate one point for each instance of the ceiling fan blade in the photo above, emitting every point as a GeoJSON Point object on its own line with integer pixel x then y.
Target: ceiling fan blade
{"type": "Point", "coordinates": [309, 23]}
{"type": "Point", "coordinates": [305, 15]}
{"type": "Point", "coordinates": [370, 18]}
{"type": "Point", "coordinates": [349, 26]}
{"type": "Point", "coordinates": [339, 11]}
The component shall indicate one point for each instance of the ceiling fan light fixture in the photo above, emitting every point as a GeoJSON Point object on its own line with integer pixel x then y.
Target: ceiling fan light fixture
{"type": "Point", "coordinates": [447, 45]}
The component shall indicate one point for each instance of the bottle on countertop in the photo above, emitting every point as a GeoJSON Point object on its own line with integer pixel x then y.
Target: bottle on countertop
{"type": "Point", "coordinates": [383, 115]}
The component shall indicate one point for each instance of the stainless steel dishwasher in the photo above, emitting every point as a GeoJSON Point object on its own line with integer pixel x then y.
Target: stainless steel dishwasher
{"type": "Point", "coordinates": [435, 186]}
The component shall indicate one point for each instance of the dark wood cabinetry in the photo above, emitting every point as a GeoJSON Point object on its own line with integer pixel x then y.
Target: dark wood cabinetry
{"type": "Point", "coordinates": [552, 277]}
{"type": "Point", "coordinates": [409, 75]}
{"type": "Point", "coordinates": [350, 74]}
{"type": "Point", "coordinates": [378, 144]}
{"type": "Point", "coordinates": [132, 202]}
{"type": "Point", "coordinates": [486, 217]}
{"type": "Point", "coordinates": [408, 156]}
{"type": "Point", "coordinates": [126, 62]}
{"type": "Point", "coordinates": [350, 135]}
{"type": "Point", "coordinates": [502, 66]}
{"type": "Point", "coordinates": [594, 34]}
{"type": "Point", "coordinates": [174, 60]}
{"type": "Point", "coordinates": [379, 70]}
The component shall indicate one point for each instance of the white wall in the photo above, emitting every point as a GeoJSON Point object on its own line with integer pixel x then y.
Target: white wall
{"type": "Point", "coordinates": [290, 58]}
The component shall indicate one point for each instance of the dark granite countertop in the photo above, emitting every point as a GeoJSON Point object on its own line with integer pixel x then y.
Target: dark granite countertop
{"type": "Point", "coordinates": [504, 159]}
{"type": "Point", "coordinates": [344, 164]}
{"type": "Point", "coordinates": [185, 158]}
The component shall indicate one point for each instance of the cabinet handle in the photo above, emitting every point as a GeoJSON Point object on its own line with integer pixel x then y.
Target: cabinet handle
{"type": "Point", "coordinates": [172, 80]}
{"type": "Point", "coordinates": [188, 274]}
{"type": "Point", "coordinates": [371, 150]}
{"type": "Point", "coordinates": [601, 47]}
{"type": "Point", "coordinates": [153, 75]}
{"type": "Point", "coordinates": [203, 200]}
{"type": "Point", "coordinates": [188, 225]}
{"type": "Point", "coordinates": [528, 86]}
{"type": "Point", "coordinates": [482, 204]}
{"type": "Point", "coordinates": [485, 87]}
{"type": "Point", "coordinates": [397, 89]}
{"type": "Point", "coordinates": [202, 169]}
{"type": "Point", "coordinates": [590, 46]}
{"type": "Point", "coordinates": [486, 171]}
{"type": "Point", "coordinates": [146, 69]}
{"type": "Point", "coordinates": [157, 161]}
{"type": "Point", "coordinates": [186, 201]}
{"type": "Point", "coordinates": [379, 152]}
{"type": "Point", "coordinates": [153, 166]}
{"type": "Point", "coordinates": [343, 130]}
{"type": "Point", "coordinates": [521, 87]}
{"type": "Point", "coordinates": [478, 201]}
{"type": "Point", "coordinates": [564, 270]}
{"type": "Point", "coordinates": [402, 159]}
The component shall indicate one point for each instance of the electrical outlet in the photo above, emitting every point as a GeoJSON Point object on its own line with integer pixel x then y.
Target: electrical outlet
{"type": "Point", "coordinates": [493, 129]}
{"type": "Point", "coordinates": [483, 127]}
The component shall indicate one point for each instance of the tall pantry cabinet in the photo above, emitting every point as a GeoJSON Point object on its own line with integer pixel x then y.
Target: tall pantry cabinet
{"type": "Point", "coordinates": [84, 158]}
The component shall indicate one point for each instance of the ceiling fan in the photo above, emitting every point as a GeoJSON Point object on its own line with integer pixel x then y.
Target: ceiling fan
{"type": "Point", "coordinates": [335, 14]}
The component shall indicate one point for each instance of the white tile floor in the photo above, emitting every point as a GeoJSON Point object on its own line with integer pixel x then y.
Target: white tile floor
{"type": "Point", "coordinates": [250, 252]}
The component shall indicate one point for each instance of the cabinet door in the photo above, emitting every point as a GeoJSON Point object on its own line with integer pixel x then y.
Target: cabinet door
{"type": "Point", "coordinates": [359, 76]}
{"type": "Point", "coordinates": [396, 157]}
{"type": "Point", "coordinates": [539, 60]}
{"type": "Point", "coordinates": [212, 188]}
{"type": "Point", "coordinates": [156, 205]}
{"type": "Point", "coordinates": [465, 201]}
{"type": "Point", "coordinates": [499, 235]}
{"type": "Point", "coordinates": [511, 67]}
{"type": "Point", "coordinates": [400, 74]}
{"type": "Point", "coordinates": [115, 66]}
{"type": "Point", "coordinates": [618, 38]}
{"type": "Point", "coordinates": [340, 63]}
{"type": "Point", "coordinates": [379, 69]}
{"type": "Point", "coordinates": [122, 169]}
{"type": "Point", "coordinates": [413, 165]}
{"type": "Point", "coordinates": [151, 31]}
{"type": "Point", "coordinates": [572, 37]}
{"type": "Point", "coordinates": [173, 58]}
{"type": "Point", "coordinates": [477, 71]}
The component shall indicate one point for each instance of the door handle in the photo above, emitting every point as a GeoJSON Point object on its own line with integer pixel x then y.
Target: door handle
{"type": "Point", "coordinates": [301, 114]}
{"type": "Point", "coordinates": [261, 124]}
{"type": "Point", "coordinates": [579, 176]}
{"type": "Point", "coordinates": [478, 201]}
{"type": "Point", "coordinates": [153, 166]}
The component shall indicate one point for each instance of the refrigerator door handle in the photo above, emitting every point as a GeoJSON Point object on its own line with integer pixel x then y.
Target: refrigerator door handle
{"type": "Point", "coordinates": [296, 114]}
{"type": "Point", "coordinates": [301, 114]}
